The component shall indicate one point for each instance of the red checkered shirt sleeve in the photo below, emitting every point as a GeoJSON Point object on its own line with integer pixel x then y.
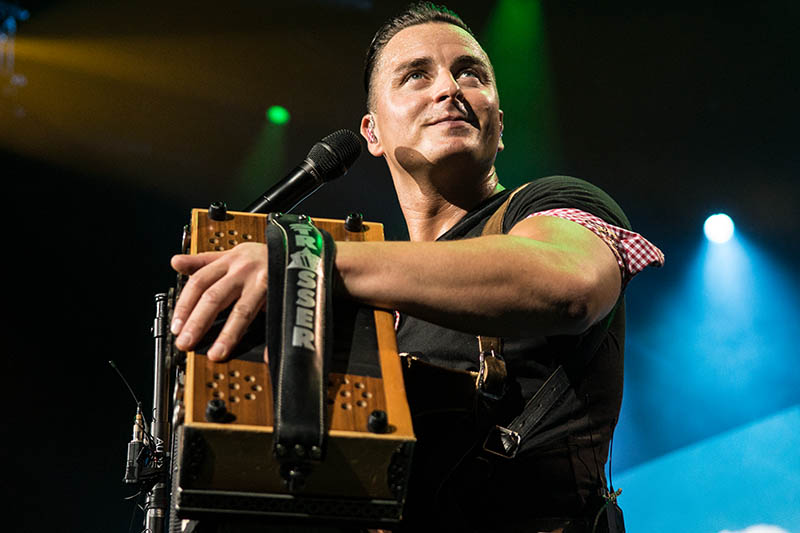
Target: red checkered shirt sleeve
{"type": "Point", "coordinates": [634, 253]}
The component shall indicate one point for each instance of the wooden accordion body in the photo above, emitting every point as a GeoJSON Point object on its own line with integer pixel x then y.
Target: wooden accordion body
{"type": "Point", "coordinates": [228, 469]}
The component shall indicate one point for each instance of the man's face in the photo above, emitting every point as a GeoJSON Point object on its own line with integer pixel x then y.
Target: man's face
{"type": "Point", "coordinates": [435, 101]}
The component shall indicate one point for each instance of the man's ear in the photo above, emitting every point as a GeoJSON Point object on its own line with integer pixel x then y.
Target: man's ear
{"type": "Point", "coordinates": [500, 145]}
{"type": "Point", "coordinates": [369, 132]}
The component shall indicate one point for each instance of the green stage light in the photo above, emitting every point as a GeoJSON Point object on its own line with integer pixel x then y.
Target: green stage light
{"type": "Point", "coordinates": [515, 37]}
{"type": "Point", "coordinates": [278, 115]}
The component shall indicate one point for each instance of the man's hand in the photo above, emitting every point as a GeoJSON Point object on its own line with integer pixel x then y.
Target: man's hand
{"type": "Point", "coordinates": [216, 280]}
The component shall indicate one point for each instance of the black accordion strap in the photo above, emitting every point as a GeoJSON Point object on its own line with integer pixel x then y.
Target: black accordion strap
{"type": "Point", "coordinates": [299, 339]}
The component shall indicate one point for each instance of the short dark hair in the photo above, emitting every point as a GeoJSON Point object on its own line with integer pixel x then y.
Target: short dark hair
{"type": "Point", "coordinates": [414, 14]}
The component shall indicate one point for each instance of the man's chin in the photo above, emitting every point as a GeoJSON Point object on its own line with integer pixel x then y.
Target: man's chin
{"type": "Point", "coordinates": [468, 154]}
{"type": "Point", "coordinates": [454, 155]}
{"type": "Point", "coordinates": [461, 165]}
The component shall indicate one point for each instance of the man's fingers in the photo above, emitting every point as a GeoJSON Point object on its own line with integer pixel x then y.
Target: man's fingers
{"type": "Point", "coordinates": [211, 301]}
{"type": "Point", "coordinates": [189, 264]}
{"type": "Point", "coordinates": [191, 293]}
{"type": "Point", "coordinates": [252, 300]}
{"type": "Point", "coordinates": [217, 279]}
{"type": "Point", "coordinates": [239, 319]}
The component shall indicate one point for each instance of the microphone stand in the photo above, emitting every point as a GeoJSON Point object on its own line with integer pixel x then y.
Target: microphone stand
{"type": "Point", "coordinates": [157, 501]}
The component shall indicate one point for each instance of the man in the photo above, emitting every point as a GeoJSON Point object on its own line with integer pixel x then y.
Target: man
{"type": "Point", "coordinates": [548, 282]}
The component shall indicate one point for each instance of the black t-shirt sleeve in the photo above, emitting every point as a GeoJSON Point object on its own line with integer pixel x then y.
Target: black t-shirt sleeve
{"type": "Point", "coordinates": [557, 192]}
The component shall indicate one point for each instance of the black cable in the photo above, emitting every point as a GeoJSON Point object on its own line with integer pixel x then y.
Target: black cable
{"type": "Point", "coordinates": [133, 514]}
{"type": "Point", "coordinates": [610, 453]}
{"type": "Point", "coordinates": [135, 399]}
{"type": "Point", "coordinates": [591, 442]}
{"type": "Point", "coordinates": [145, 430]}
{"type": "Point", "coordinates": [598, 515]}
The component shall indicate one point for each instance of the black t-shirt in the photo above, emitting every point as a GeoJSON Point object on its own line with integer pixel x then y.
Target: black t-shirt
{"type": "Point", "coordinates": [567, 454]}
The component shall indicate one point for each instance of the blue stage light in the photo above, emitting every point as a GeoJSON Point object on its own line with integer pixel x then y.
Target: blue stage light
{"type": "Point", "coordinates": [718, 228]}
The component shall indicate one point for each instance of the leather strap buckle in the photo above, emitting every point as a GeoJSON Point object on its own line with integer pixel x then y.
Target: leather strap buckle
{"type": "Point", "coordinates": [505, 441]}
{"type": "Point", "coordinates": [491, 380]}
{"type": "Point", "coordinates": [502, 442]}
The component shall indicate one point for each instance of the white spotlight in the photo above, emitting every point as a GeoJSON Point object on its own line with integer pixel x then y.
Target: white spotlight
{"type": "Point", "coordinates": [718, 228]}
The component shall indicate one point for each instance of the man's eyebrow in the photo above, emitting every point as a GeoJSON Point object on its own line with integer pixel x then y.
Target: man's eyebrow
{"type": "Point", "coordinates": [471, 60]}
{"type": "Point", "coordinates": [419, 62]}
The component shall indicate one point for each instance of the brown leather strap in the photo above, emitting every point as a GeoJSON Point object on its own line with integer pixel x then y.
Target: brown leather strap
{"type": "Point", "coordinates": [494, 226]}
{"type": "Point", "coordinates": [493, 369]}
{"type": "Point", "coordinates": [492, 374]}
{"type": "Point", "coordinates": [490, 344]}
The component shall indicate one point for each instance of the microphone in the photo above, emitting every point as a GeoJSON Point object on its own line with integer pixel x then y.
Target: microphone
{"type": "Point", "coordinates": [328, 159]}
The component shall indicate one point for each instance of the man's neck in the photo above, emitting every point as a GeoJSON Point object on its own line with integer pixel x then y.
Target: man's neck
{"type": "Point", "coordinates": [431, 207]}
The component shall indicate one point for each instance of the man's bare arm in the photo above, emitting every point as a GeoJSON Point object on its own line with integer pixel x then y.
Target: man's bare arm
{"type": "Point", "coordinates": [547, 276]}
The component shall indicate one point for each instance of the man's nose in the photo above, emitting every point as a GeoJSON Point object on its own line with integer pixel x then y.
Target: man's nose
{"type": "Point", "coordinates": [446, 87]}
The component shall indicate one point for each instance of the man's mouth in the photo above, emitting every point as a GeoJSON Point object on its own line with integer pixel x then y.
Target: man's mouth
{"type": "Point", "coordinates": [452, 119]}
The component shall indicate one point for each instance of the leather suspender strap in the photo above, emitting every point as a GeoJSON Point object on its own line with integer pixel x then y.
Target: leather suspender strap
{"type": "Point", "coordinates": [299, 327]}
{"type": "Point", "coordinates": [494, 226]}
{"type": "Point", "coordinates": [506, 441]}
{"type": "Point", "coordinates": [491, 380]}
{"type": "Point", "coordinates": [492, 374]}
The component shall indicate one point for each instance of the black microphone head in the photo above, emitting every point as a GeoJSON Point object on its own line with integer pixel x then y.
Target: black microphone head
{"type": "Point", "coordinates": [335, 154]}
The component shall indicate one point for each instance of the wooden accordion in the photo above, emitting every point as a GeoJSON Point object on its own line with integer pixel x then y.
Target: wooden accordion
{"type": "Point", "coordinates": [226, 467]}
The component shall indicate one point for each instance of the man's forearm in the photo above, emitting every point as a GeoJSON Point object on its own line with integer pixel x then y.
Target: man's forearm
{"type": "Point", "coordinates": [494, 285]}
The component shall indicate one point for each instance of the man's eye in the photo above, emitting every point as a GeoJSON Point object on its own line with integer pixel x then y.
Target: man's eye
{"type": "Point", "coordinates": [468, 73]}
{"type": "Point", "coordinates": [416, 75]}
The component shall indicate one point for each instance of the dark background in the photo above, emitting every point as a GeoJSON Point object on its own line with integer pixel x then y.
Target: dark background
{"type": "Point", "coordinates": [132, 113]}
